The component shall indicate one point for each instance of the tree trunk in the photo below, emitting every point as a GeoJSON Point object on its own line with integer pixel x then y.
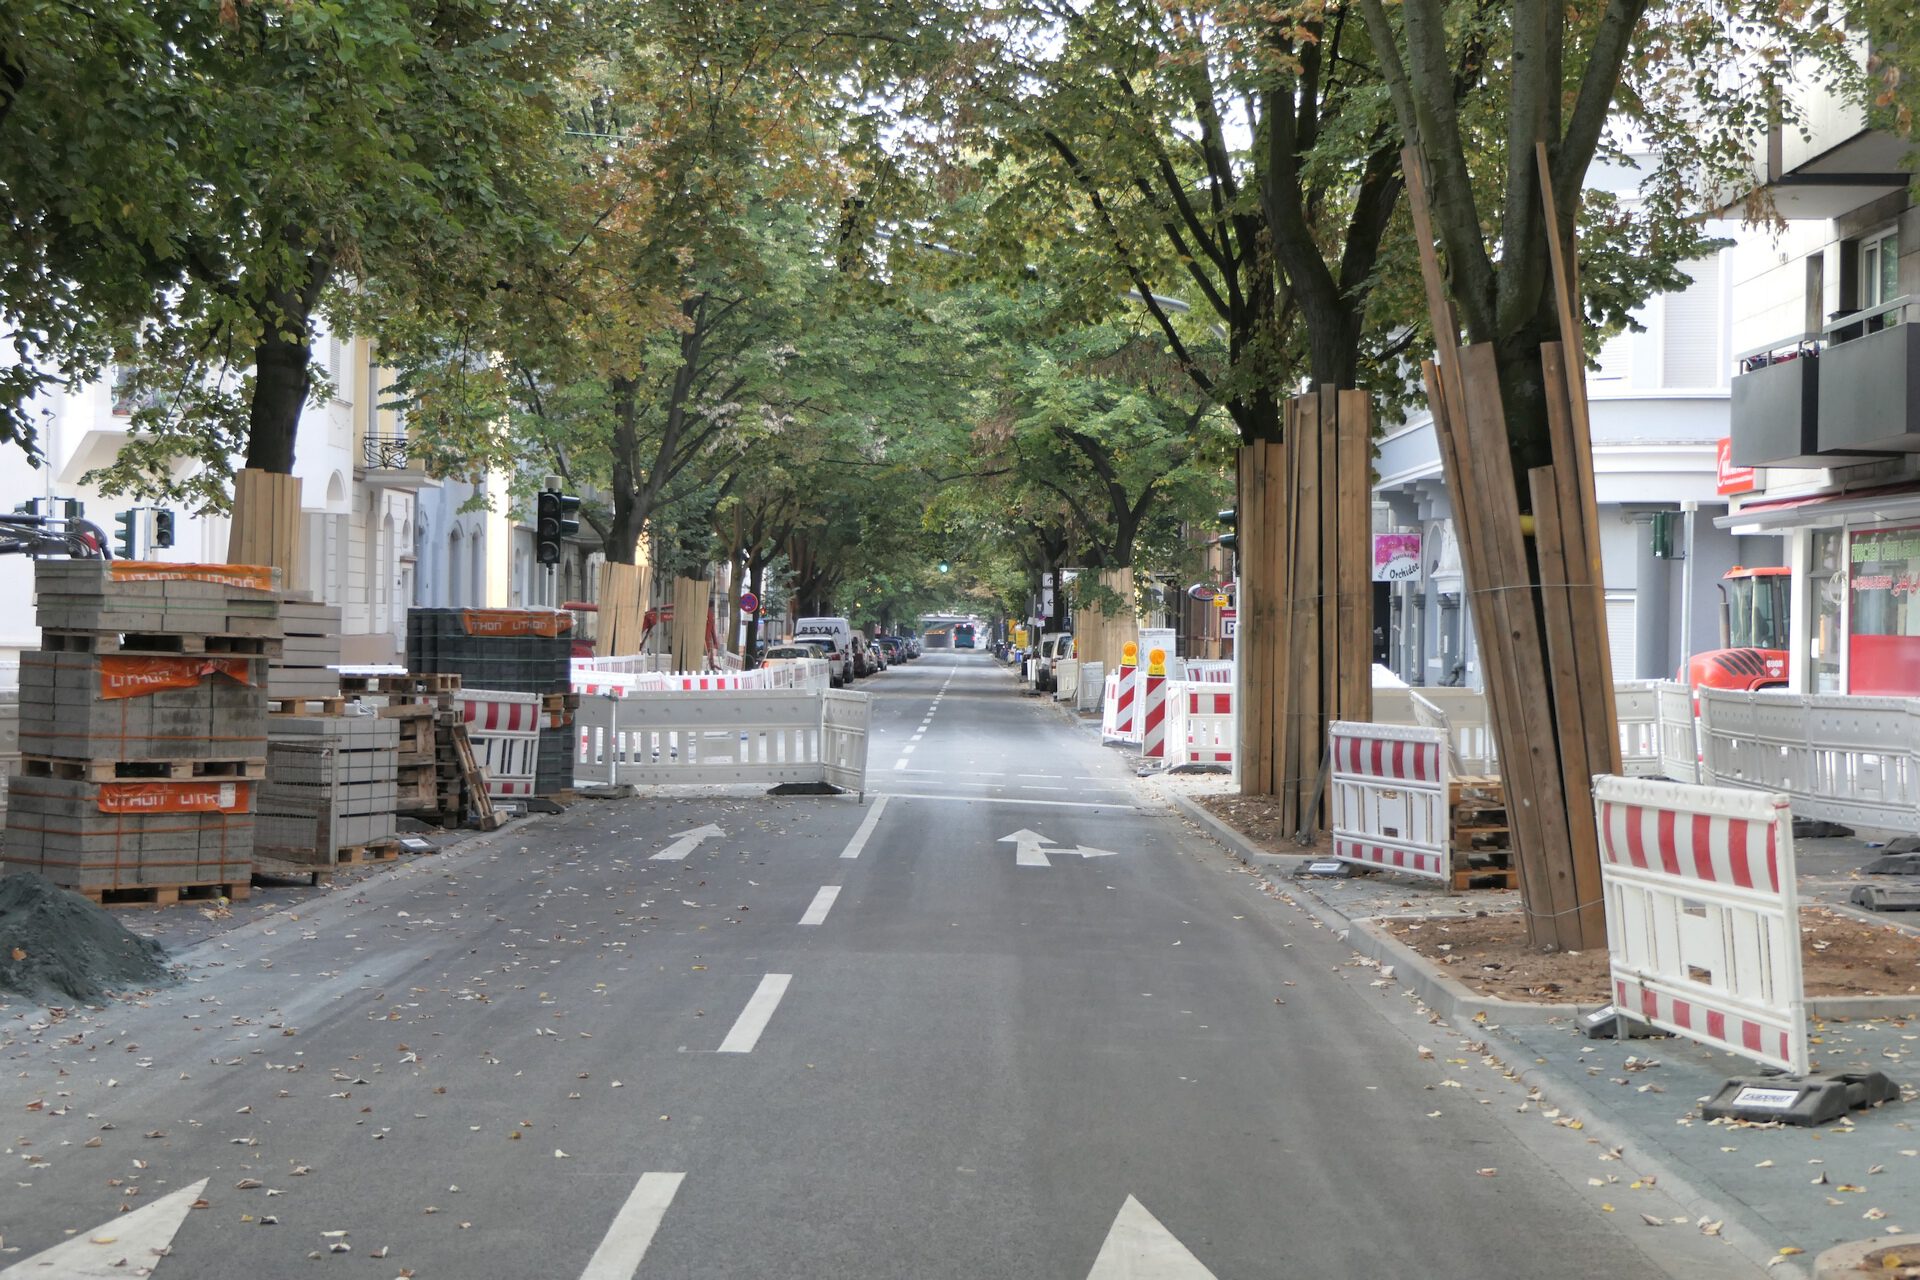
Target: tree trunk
{"type": "Point", "coordinates": [283, 369]}
{"type": "Point", "coordinates": [629, 519]}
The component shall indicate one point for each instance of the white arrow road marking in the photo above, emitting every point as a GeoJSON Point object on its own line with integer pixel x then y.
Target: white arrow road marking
{"type": "Point", "coordinates": [759, 1011]}
{"type": "Point", "coordinates": [1139, 1248]}
{"type": "Point", "coordinates": [1027, 848]}
{"type": "Point", "coordinates": [822, 903]}
{"type": "Point", "coordinates": [619, 1255]}
{"type": "Point", "coordinates": [1030, 849]}
{"type": "Point", "coordinates": [686, 842]}
{"type": "Point", "coordinates": [872, 820]}
{"type": "Point", "coordinates": [134, 1237]}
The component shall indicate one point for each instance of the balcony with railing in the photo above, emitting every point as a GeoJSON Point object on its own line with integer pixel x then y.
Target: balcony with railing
{"type": "Point", "coordinates": [390, 460]}
{"type": "Point", "coordinates": [1844, 395]}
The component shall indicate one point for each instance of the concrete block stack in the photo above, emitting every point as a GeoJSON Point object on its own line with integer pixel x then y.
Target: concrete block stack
{"type": "Point", "coordinates": [142, 728]}
{"type": "Point", "coordinates": [311, 650]}
{"type": "Point", "coordinates": [507, 651]}
{"type": "Point", "coordinates": [331, 792]}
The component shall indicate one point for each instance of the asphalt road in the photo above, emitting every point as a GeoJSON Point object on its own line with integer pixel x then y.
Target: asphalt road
{"type": "Point", "coordinates": [833, 1039]}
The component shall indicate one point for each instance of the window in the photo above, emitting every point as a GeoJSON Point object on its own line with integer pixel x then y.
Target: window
{"type": "Point", "coordinates": [1829, 589]}
{"type": "Point", "coordinates": [1883, 641]}
{"type": "Point", "coordinates": [1880, 268]}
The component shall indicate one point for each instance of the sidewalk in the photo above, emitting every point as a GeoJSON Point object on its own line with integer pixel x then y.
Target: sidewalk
{"type": "Point", "coordinates": [1771, 1188]}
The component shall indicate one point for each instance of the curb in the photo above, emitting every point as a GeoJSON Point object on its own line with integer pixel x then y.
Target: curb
{"type": "Point", "coordinates": [1845, 1260]}
{"type": "Point", "coordinates": [1457, 1005]}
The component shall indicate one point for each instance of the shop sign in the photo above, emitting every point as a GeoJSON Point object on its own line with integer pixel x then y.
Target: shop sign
{"type": "Point", "coordinates": [1883, 643]}
{"type": "Point", "coordinates": [1396, 557]}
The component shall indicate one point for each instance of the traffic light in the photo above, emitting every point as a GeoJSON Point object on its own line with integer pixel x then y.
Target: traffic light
{"type": "Point", "coordinates": [162, 527]}
{"type": "Point", "coordinates": [558, 518]}
{"type": "Point", "coordinates": [127, 540]}
{"type": "Point", "coordinates": [1231, 538]}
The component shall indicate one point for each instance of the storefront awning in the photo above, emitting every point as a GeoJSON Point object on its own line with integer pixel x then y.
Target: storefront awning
{"type": "Point", "coordinates": [1884, 502]}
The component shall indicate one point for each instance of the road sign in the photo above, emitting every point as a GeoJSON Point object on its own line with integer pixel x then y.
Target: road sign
{"type": "Point", "coordinates": [1221, 600]}
{"type": "Point", "coordinates": [749, 602]}
{"type": "Point", "coordinates": [1229, 623]}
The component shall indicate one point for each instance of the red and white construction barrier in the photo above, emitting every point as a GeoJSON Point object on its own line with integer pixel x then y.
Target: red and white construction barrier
{"type": "Point", "coordinates": [1153, 708]}
{"type": "Point", "coordinates": [1702, 920]}
{"type": "Point", "coordinates": [1387, 797]}
{"type": "Point", "coordinates": [1200, 724]}
{"type": "Point", "coordinates": [505, 731]}
{"type": "Point", "coordinates": [1119, 713]}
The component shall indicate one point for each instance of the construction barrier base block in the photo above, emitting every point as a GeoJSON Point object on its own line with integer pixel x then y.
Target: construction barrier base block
{"type": "Point", "coordinates": [1810, 1100]}
{"type": "Point", "coordinates": [1605, 1023]}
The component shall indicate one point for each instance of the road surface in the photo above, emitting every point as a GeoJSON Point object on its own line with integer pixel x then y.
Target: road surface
{"type": "Point", "coordinates": [1005, 1019]}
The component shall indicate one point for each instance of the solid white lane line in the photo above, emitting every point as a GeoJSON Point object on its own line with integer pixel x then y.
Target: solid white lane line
{"type": "Point", "coordinates": [759, 1011]}
{"type": "Point", "coordinates": [619, 1254]}
{"type": "Point", "coordinates": [865, 833]}
{"type": "Point", "coordinates": [822, 903]}
{"type": "Point", "coordinates": [1044, 777]}
{"type": "Point", "coordinates": [1030, 787]}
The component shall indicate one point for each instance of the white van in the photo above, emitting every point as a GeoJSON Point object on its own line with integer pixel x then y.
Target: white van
{"type": "Point", "coordinates": [839, 628]}
{"type": "Point", "coordinates": [1054, 645]}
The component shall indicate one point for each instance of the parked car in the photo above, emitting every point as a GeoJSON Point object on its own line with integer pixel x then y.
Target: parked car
{"type": "Point", "coordinates": [862, 657]}
{"type": "Point", "coordinates": [894, 647]}
{"type": "Point", "coordinates": [1054, 645]}
{"type": "Point", "coordinates": [781, 655]}
{"type": "Point", "coordinates": [839, 661]}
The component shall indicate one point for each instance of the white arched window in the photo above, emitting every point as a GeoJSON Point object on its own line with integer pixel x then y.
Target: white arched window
{"type": "Point", "coordinates": [477, 572]}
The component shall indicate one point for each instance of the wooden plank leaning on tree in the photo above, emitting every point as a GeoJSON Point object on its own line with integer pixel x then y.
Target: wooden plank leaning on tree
{"type": "Point", "coordinates": [1258, 615]}
{"type": "Point", "coordinates": [1572, 708]}
{"type": "Point", "coordinates": [1303, 643]}
{"type": "Point", "coordinates": [1355, 576]}
{"type": "Point", "coordinates": [1529, 755]}
{"type": "Point", "coordinates": [1566, 289]}
{"type": "Point", "coordinates": [1326, 587]}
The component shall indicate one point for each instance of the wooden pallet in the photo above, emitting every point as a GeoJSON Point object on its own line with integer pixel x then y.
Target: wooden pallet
{"type": "Point", "coordinates": [306, 706]}
{"type": "Point", "coordinates": [72, 770]}
{"type": "Point", "coordinates": [137, 642]}
{"type": "Point", "coordinates": [473, 781]}
{"type": "Point", "coordinates": [357, 854]}
{"type": "Point", "coordinates": [1486, 878]}
{"type": "Point", "coordinates": [398, 686]}
{"type": "Point", "coordinates": [313, 873]}
{"type": "Point", "coordinates": [165, 895]}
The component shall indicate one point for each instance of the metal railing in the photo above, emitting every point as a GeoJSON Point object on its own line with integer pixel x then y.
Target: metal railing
{"type": "Point", "coordinates": [385, 453]}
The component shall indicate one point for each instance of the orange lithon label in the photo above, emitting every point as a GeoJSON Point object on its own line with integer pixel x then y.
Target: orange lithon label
{"type": "Point", "coordinates": [173, 797]}
{"type": "Point", "coordinates": [515, 622]}
{"type": "Point", "coordinates": [125, 677]}
{"type": "Point", "coordinates": [258, 576]}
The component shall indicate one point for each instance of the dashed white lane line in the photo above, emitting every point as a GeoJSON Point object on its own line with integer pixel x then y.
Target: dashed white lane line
{"type": "Point", "coordinates": [619, 1255]}
{"type": "Point", "coordinates": [867, 824]}
{"type": "Point", "coordinates": [759, 1011]}
{"type": "Point", "coordinates": [900, 766]}
{"type": "Point", "coordinates": [907, 750]}
{"type": "Point", "coordinates": [1114, 805]}
{"type": "Point", "coordinates": [822, 903]}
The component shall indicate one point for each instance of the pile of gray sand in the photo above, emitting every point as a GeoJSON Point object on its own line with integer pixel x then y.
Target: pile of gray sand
{"type": "Point", "coordinates": [56, 946]}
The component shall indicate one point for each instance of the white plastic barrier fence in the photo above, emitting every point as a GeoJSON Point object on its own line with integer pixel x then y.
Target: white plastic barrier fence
{"type": "Point", "coordinates": [505, 731]}
{"type": "Point", "coordinates": [1200, 724]}
{"type": "Point", "coordinates": [1703, 928]}
{"type": "Point", "coordinates": [1840, 758]}
{"type": "Point", "coordinates": [1093, 683]}
{"type": "Point", "coordinates": [589, 677]}
{"type": "Point", "coordinates": [1387, 797]}
{"type": "Point", "coordinates": [844, 720]}
{"type": "Point", "coordinates": [1066, 680]}
{"type": "Point", "coordinates": [1460, 713]}
{"type": "Point", "coordinates": [1120, 719]}
{"type": "Point", "coordinates": [743, 736]}
{"type": "Point", "coordinates": [1637, 712]}
{"type": "Point", "coordinates": [1208, 671]}
{"type": "Point", "coordinates": [1679, 732]}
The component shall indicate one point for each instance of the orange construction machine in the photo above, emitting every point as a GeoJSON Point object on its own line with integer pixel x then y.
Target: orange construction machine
{"type": "Point", "coordinates": [1753, 633]}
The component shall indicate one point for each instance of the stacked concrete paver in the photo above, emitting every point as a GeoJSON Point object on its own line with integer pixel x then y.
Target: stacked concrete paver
{"type": "Point", "coordinates": [142, 728]}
